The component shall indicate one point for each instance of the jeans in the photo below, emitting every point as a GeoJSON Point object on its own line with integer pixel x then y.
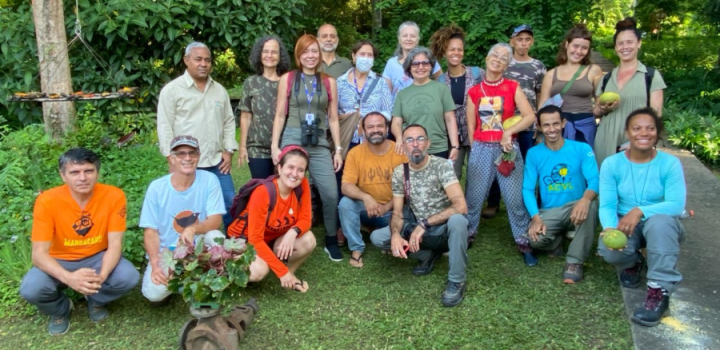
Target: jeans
{"type": "Point", "coordinates": [580, 127]}
{"type": "Point", "coordinates": [45, 291]}
{"type": "Point", "coordinates": [228, 191]}
{"type": "Point", "coordinates": [261, 168]}
{"type": "Point", "coordinates": [352, 216]}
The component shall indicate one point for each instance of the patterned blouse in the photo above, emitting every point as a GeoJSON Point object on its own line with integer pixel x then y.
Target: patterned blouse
{"type": "Point", "coordinates": [349, 97]}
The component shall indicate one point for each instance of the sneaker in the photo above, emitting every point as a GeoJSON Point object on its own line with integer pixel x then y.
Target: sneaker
{"type": "Point", "coordinates": [656, 305]}
{"type": "Point", "coordinates": [558, 252]}
{"type": "Point", "coordinates": [60, 325]}
{"type": "Point", "coordinates": [530, 260]}
{"type": "Point", "coordinates": [424, 267]}
{"type": "Point", "coordinates": [572, 273]}
{"type": "Point", "coordinates": [630, 278]}
{"type": "Point", "coordinates": [489, 212]}
{"type": "Point", "coordinates": [453, 294]}
{"type": "Point", "coordinates": [96, 313]}
{"type": "Point", "coordinates": [332, 249]}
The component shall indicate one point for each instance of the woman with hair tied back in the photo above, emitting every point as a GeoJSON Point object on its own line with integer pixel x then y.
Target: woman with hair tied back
{"type": "Point", "coordinates": [449, 42]}
{"type": "Point", "coordinates": [637, 85]}
{"type": "Point", "coordinates": [574, 80]}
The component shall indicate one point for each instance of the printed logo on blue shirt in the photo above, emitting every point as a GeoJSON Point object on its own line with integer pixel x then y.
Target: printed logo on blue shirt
{"type": "Point", "coordinates": [558, 180]}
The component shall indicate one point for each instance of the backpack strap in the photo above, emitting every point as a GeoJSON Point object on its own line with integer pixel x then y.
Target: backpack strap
{"type": "Point", "coordinates": [475, 72]}
{"type": "Point", "coordinates": [272, 193]}
{"type": "Point", "coordinates": [649, 75]}
{"type": "Point", "coordinates": [406, 182]}
{"type": "Point", "coordinates": [367, 93]}
{"type": "Point", "coordinates": [326, 82]}
{"type": "Point", "coordinates": [298, 192]}
{"type": "Point", "coordinates": [606, 79]}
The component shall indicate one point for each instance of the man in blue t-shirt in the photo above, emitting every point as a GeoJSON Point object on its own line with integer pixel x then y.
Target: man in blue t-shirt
{"type": "Point", "coordinates": [178, 206]}
{"type": "Point", "coordinates": [569, 178]}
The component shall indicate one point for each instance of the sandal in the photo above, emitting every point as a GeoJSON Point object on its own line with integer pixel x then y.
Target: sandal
{"type": "Point", "coordinates": [302, 285]}
{"type": "Point", "coordinates": [358, 260]}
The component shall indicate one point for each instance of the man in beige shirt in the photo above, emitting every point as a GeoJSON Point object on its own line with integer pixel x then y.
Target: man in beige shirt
{"type": "Point", "coordinates": [194, 104]}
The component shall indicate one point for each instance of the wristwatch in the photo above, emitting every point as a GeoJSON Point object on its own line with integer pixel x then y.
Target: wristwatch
{"type": "Point", "coordinates": [455, 147]}
{"type": "Point", "coordinates": [297, 229]}
{"type": "Point", "coordinates": [425, 224]}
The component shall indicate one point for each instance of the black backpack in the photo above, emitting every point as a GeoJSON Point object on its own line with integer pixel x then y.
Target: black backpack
{"type": "Point", "coordinates": [238, 228]}
{"type": "Point", "coordinates": [649, 74]}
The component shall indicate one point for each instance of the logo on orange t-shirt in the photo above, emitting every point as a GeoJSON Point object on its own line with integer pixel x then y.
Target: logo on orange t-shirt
{"type": "Point", "coordinates": [83, 225]}
{"type": "Point", "coordinates": [184, 219]}
{"type": "Point", "coordinates": [122, 212]}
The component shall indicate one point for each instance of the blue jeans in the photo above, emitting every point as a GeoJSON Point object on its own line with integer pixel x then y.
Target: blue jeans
{"type": "Point", "coordinates": [580, 127]}
{"type": "Point", "coordinates": [352, 215]}
{"type": "Point", "coordinates": [228, 191]}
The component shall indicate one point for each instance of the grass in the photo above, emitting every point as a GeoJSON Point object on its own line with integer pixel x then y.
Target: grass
{"type": "Point", "coordinates": [382, 306]}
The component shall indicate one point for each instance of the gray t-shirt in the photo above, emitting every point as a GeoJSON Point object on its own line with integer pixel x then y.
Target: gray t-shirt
{"type": "Point", "coordinates": [427, 186]}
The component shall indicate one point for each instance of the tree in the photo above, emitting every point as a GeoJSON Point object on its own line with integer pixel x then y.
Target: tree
{"type": "Point", "coordinates": [52, 53]}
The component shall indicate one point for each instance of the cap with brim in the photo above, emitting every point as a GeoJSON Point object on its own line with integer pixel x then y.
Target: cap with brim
{"type": "Point", "coordinates": [184, 140]}
{"type": "Point", "coordinates": [522, 28]}
{"type": "Point", "coordinates": [383, 113]}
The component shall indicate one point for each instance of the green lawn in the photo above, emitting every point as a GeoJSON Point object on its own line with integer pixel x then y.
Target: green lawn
{"type": "Point", "coordinates": [382, 306]}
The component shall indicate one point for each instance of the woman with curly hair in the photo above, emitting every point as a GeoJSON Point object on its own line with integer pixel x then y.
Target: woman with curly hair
{"type": "Point", "coordinates": [449, 42]}
{"type": "Point", "coordinates": [574, 80]}
{"type": "Point", "coordinates": [270, 60]}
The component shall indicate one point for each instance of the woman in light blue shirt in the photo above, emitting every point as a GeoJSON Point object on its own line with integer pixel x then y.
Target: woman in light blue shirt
{"type": "Point", "coordinates": [408, 39]}
{"type": "Point", "coordinates": [642, 194]}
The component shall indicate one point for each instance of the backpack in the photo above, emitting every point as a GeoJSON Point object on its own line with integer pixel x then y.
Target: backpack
{"type": "Point", "coordinates": [238, 228]}
{"type": "Point", "coordinates": [295, 78]}
{"type": "Point", "coordinates": [649, 74]}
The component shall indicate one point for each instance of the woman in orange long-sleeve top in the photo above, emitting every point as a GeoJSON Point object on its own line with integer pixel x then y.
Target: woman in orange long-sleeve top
{"type": "Point", "coordinates": [282, 236]}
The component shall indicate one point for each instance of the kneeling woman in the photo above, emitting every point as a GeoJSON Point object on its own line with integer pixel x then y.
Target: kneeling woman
{"type": "Point", "coordinates": [642, 193]}
{"type": "Point", "coordinates": [287, 228]}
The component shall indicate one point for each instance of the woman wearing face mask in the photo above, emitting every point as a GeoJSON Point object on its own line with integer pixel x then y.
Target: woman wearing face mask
{"type": "Point", "coordinates": [408, 39]}
{"type": "Point", "coordinates": [574, 80]}
{"type": "Point", "coordinates": [449, 42]}
{"type": "Point", "coordinates": [629, 80]}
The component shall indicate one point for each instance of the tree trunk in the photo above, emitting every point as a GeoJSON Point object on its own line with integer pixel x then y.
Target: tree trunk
{"type": "Point", "coordinates": [376, 19]}
{"type": "Point", "coordinates": [49, 21]}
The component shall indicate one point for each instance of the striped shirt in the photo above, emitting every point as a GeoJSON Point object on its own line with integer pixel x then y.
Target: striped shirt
{"type": "Point", "coordinates": [380, 99]}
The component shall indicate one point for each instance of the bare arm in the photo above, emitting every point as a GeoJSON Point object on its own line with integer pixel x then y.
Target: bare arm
{"type": "Point", "coordinates": [151, 239]}
{"type": "Point", "coordinates": [42, 260]}
{"type": "Point", "coordinates": [452, 128]}
{"type": "Point", "coordinates": [211, 223]}
{"type": "Point", "coordinates": [656, 101]}
{"type": "Point", "coordinates": [245, 121]}
{"type": "Point", "coordinates": [354, 192]}
{"type": "Point", "coordinates": [397, 221]}
{"type": "Point", "coordinates": [455, 193]}
{"type": "Point", "coordinates": [545, 89]}
{"type": "Point", "coordinates": [279, 122]}
{"type": "Point", "coordinates": [396, 128]}
{"type": "Point", "coordinates": [333, 113]}
{"type": "Point", "coordinates": [470, 113]}
{"type": "Point", "coordinates": [528, 116]}
{"type": "Point", "coordinates": [112, 254]}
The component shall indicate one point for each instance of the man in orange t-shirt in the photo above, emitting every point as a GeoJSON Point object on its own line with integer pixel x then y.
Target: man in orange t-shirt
{"type": "Point", "coordinates": [366, 184]}
{"type": "Point", "coordinates": [77, 242]}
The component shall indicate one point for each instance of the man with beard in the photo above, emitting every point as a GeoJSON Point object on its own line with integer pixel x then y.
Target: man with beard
{"type": "Point", "coordinates": [366, 183]}
{"type": "Point", "coordinates": [437, 222]}
{"type": "Point", "coordinates": [332, 64]}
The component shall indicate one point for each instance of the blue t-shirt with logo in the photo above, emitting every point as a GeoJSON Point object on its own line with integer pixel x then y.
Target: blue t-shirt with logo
{"type": "Point", "coordinates": [564, 175]}
{"type": "Point", "coordinates": [169, 211]}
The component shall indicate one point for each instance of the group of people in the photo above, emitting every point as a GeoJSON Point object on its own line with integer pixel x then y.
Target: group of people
{"type": "Point", "coordinates": [385, 152]}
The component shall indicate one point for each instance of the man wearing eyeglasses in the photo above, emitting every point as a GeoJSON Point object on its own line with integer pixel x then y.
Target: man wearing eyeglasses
{"type": "Point", "coordinates": [179, 206]}
{"type": "Point", "coordinates": [434, 220]}
{"type": "Point", "coordinates": [195, 104]}
{"type": "Point", "coordinates": [332, 64]}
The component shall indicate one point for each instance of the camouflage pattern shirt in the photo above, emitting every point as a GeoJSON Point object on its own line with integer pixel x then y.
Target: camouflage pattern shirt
{"type": "Point", "coordinates": [427, 186]}
{"type": "Point", "coordinates": [530, 76]}
{"type": "Point", "coordinates": [258, 98]}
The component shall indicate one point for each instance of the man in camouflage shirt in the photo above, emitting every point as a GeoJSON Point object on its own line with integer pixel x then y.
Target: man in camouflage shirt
{"type": "Point", "coordinates": [438, 224]}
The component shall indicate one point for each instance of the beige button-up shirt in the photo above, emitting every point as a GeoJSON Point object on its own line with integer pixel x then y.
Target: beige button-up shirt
{"type": "Point", "coordinates": [183, 109]}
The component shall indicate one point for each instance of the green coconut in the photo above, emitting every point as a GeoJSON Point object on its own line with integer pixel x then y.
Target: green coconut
{"type": "Point", "coordinates": [615, 239]}
{"type": "Point", "coordinates": [609, 97]}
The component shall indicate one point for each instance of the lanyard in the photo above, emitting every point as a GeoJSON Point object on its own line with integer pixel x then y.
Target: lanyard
{"type": "Point", "coordinates": [307, 94]}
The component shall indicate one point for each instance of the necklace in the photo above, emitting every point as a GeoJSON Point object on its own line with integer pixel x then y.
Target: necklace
{"type": "Point", "coordinates": [632, 176]}
{"type": "Point", "coordinates": [495, 84]}
{"type": "Point", "coordinates": [456, 78]}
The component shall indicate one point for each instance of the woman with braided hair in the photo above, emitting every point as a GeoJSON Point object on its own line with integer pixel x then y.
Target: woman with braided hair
{"type": "Point", "coordinates": [449, 42]}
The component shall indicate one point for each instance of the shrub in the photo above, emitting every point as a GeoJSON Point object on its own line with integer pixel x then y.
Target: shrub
{"type": "Point", "coordinates": [700, 134]}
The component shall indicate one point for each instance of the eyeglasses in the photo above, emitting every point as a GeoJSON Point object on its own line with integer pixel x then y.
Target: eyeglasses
{"type": "Point", "coordinates": [499, 57]}
{"type": "Point", "coordinates": [420, 140]}
{"type": "Point", "coordinates": [181, 155]}
{"type": "Point", "coordinates": [420, 63]}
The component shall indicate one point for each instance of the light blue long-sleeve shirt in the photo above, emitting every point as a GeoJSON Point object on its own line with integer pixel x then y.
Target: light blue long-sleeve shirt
{"type": "Point", "coordinates": [564, 175]}
{"type": "Point", "coordinates": [656, 187]}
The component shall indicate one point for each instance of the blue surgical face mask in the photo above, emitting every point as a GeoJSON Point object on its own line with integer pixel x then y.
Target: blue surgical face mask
{"type": "Point", "coordinates": [364, 64]}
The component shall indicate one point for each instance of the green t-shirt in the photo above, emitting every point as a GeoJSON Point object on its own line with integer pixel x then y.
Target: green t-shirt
{"type": "Point", "coordinates": [258, 97]}
{"type": "Point", "coordinates": [426, 105]}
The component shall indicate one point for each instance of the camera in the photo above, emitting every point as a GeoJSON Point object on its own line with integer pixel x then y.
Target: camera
{"type": "Point", "coordinates": [309, 133]}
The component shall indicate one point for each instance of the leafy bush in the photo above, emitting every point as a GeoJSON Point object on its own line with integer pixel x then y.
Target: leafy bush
{"type": "Point", "coordinates": [698, 133]}
{"type": "Point", "coordinates": [15, 261]}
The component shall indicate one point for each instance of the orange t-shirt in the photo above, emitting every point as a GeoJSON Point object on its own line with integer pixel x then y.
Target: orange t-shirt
{"type": "Point", "coordinates": [287, 213]}
{"type": "Point", "coordinates": [371, 173]}
{"type": "Point", "coordinates": [75, 233]}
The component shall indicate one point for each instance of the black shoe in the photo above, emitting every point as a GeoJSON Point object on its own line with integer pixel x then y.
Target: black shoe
{"type": "Point", "coordinates": [426, 266]}
{"type": "Point", "coordinates": [656, 304]}
{"type": "Point", "coordinates": [332, 249]}
{"type": "Point", "coordinates": [453, 294]}
{"type": "Point", "coordinates": [630, 278]}
{"type": "Point", "coordinates": [163, 302]}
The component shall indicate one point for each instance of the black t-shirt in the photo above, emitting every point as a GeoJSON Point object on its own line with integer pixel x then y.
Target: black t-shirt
{"type": "Point", "coordinates": [457, 89]}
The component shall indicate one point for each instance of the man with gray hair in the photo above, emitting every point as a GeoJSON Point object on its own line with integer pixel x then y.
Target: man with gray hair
{"type": "Point", "coordinates": [332, 64]}
{"type": "Point", "coordinates": [195, 104]}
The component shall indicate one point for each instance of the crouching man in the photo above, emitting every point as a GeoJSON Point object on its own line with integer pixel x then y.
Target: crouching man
{"type": "Point", "coordinates": [77, 239]}
{"type": "Point", "coordinates": [437, 223]}
{"type": "Point", "coordinates": [178, 206]}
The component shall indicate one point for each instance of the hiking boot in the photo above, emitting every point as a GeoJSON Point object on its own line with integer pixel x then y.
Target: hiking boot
{"type": "Point", "coordinates": [453, 294]}
{"type": "Point", "coordinates": [489, 212]}
{"type": "Point", "coordinates": [572, 273]}
{"type": "Point", "coordinates": [96, 312]}
{"type": "Point", "coordinates": [530, 259]}
{"type": "Point", "coordinates": [656, 305]}
{"type": "Point", "coordinates": [59, 325]}
{"type": "Point", "coordinates": [558, 252]}
{"type": "Point", "coordinates": [630, 277]}
{"type": "Point", "coordinates": [332, 249]}
{"type": "Point", "coordinates": [424, 267]}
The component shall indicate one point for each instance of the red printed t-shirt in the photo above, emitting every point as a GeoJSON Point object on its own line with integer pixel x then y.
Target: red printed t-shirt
{"type": "Point", "coordinates": [288, 212]}
{"type": "Point", "coordinates": [494, 105]}
{"type": "Point", "coordinates": [76, 233]}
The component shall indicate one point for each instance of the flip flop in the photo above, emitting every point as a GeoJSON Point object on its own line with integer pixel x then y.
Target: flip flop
{"type": "Point", "coordinates": [359, 260]}
{"type": "Point", "coordinates": [301, 284]}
